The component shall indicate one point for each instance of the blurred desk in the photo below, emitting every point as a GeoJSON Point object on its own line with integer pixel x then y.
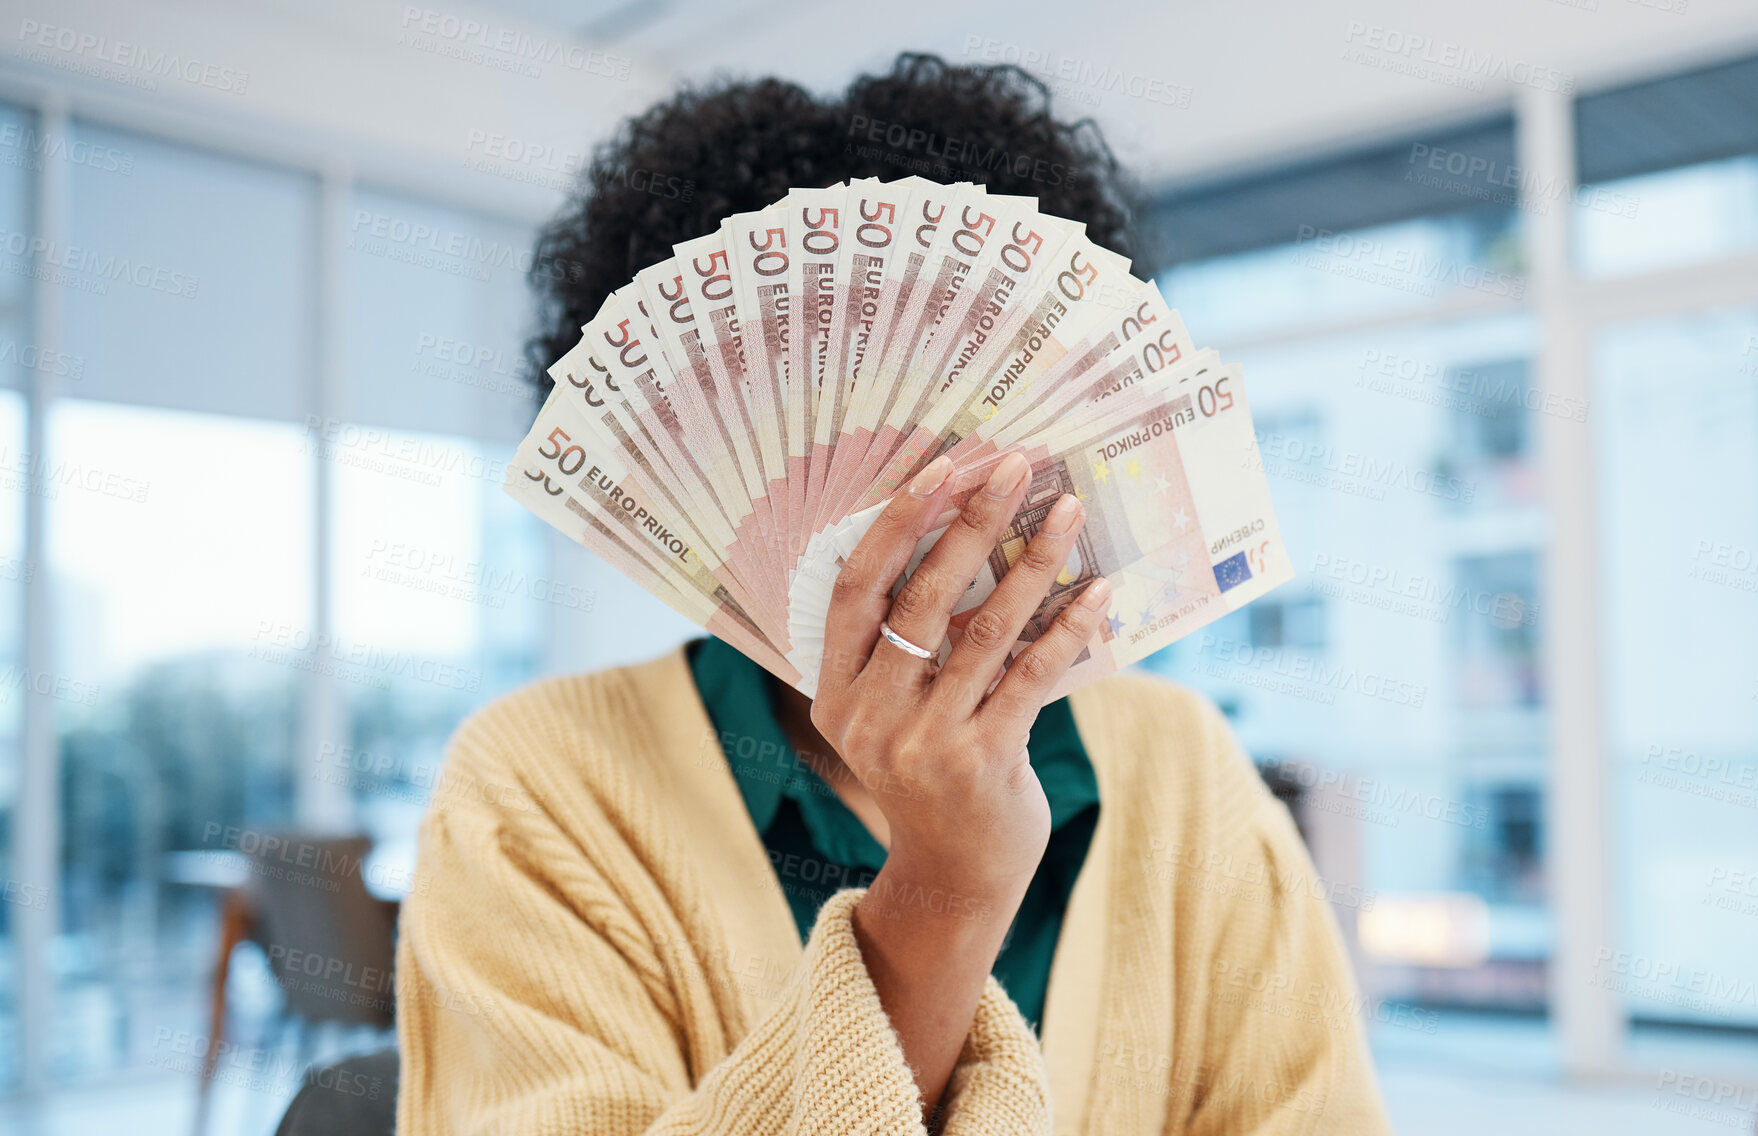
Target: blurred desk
{"type": "Point", "coordinates": [304, 897]}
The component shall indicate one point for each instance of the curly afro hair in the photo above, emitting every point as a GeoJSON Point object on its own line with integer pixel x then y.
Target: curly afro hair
{"type": "Point", "coordinates": [679, 169]}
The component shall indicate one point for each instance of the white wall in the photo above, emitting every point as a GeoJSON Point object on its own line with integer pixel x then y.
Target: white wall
{"type": "Point", "coordinates": [1223, 85]}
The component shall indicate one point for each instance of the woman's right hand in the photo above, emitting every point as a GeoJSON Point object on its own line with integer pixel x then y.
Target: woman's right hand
{"type": "Point", "coordinates": [947, 763]}
{"type": "Point", "coordinates": [967, 833]}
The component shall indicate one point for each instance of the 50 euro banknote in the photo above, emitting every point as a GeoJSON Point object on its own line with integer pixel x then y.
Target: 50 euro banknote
{"type": "Point", "coordinates": [1178, 520]}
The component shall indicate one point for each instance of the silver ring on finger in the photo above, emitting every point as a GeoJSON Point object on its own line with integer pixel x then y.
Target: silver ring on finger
{"type": "Point", "coordinates": [903, 644]}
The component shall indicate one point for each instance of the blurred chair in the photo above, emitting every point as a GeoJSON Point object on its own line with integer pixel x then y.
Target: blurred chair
{"type": "Point", "coordinates": [356, 1096]}
{"type": "Point", "coordinates": [330, 943]}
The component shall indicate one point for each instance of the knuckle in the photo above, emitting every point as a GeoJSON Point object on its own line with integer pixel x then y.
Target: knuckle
{"type": "Point", "coordinates": [850, 584]}
{"type": "Point", "coordinates": [839, 660]}
{"type": "Point", "coordinates": [1009, 703]}
{"type": "Point", "coordinates": [986, 630]}
{"type": "Point", "coordinates": [982, 512]}
{"type": "Point", "coordinates": [1039, 559]}
{"type": "Point", "coordinates": [912, 750]}
{"type": "Point", "coordinates": [916, 597]}
{"type": "Point", "coordinates": [1034, 667]}
{"type": "Point", "coordinates": [890, 524]}
{"type": "Point", "coordinates": [863, 734]}
{"type": "Point", "coordinates": [953, 691]}
{"type": "Point", "coordinates": [1076, 621]}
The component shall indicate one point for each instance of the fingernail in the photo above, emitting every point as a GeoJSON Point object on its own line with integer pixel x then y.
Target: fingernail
{"type": "Point", "coordinates": [1098, 593]}
{"type": "Point", "coordinates": [1007, 475]}
{"type": "Point", "coordinates": [931, 478]}
{"type": "Point", "coordinates": [1062, 516]}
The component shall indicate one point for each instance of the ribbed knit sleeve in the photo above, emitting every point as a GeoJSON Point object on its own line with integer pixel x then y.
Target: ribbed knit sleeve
{"type": "Point", "coordinates": [1284, 1049]}
{"type": "Point", "coordinates": [545, 989]}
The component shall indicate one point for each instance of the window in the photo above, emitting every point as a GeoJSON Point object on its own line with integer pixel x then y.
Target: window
{"type": "Point", "coordinates": [1399, 446]}
{"type": "Point", "coordinates": [179, 539]}
{"type": "Point", "coordinates": [441, 581]}
{"type": "Point", "coordinates": [441, 597]}
{"type": "Point", "coordinates": [20, 356]}
{"type": "Point", "coordinates": [1668, 171]}
{"type": "Point", "coordinates": [193, 288]}
{"type": "Point", "coordinates": [1317, 276]}
{"type": "Point", "coordinates": [15, 570]}
{"type": "Point", "coordinates": [1492, 422]}
{"type": "Point", "coordinates": [1678, 443]}
{"type": "Point", "coordinates": [180, 590]}
{"type": "Point", "coordinates": [185, 458]}
{"type": "Point", "coordinates": [1668, 219]}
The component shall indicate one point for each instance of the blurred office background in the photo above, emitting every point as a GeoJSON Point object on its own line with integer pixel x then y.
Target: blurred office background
{"type": "Point", "coordinates": [1493, 273]}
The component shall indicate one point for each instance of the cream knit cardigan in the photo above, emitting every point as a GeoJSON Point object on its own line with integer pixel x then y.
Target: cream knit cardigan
{"type": "Point", "coordinates": [596, 945]}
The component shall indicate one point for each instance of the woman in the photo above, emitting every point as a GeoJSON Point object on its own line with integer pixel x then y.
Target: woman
{"type": "Point", "coordinates": [728, 909]}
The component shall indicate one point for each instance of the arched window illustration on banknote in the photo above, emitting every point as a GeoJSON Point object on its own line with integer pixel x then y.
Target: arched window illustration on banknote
{"type": "Point", "coordinates": [1083, 564]}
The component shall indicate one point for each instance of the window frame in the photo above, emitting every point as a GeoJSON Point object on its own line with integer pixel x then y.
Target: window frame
{"type": "Point", "coordinates": [340, 169]}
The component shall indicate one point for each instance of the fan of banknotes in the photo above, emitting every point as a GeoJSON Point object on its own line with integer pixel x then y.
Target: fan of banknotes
{"type": "Point", "coordinates": [733, 419]}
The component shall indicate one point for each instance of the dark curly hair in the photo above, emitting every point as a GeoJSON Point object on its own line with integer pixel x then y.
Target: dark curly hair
{"type": "Point", "coordinates": [677, 170]}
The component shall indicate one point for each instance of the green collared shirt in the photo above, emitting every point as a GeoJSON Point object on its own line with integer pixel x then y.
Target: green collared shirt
{"type": "Point", "coordinates": [817, 846]}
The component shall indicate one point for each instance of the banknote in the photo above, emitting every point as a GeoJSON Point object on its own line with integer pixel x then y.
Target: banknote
{"type": "Point", "coordinates": [733, 419]}
{"type": "Point", "coordinates": [1181, 537]}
